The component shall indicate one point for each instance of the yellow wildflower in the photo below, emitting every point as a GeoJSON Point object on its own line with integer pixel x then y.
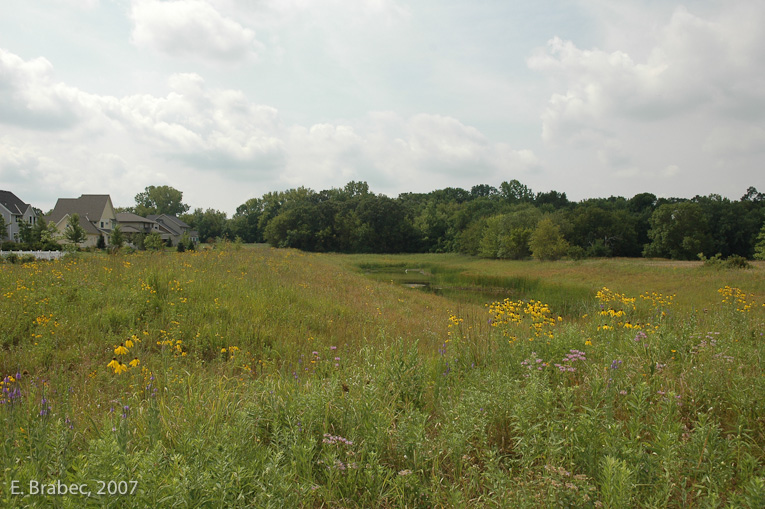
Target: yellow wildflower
{"type": "Point", "coordinates": [135, 362]}
{"type": "Point", "coordinates": [121, 350]}
{"type": "Point", "coordinates": [113, 364]}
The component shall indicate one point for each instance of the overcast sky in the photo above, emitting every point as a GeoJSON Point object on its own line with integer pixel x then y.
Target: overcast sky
{"type": "Point", "coordinates": [226, 100]}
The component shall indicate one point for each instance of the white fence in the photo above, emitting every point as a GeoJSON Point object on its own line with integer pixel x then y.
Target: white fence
{"type": "Point", "coordinates": [40, 255]}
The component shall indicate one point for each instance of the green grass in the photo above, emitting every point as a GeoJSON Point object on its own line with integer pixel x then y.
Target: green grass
{"type": "Point", "coordinates": [342, 390]}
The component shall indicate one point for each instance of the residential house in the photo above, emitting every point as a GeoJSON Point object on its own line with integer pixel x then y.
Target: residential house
{"type": "Point", "coordinates": [131, 223]}
{"type": "Point", "coordinates": [14, 211]}
{"type": "Point", "coordinates": [97, 216]}
{"type": "Point", "coordinates": [172, 229]}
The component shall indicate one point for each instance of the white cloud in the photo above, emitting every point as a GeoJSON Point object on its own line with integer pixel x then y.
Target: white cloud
{"type": "Point", "coordinates": [688, 87]}
{"type": "Point", "coordinates": [31, 98]}
{"type": "Point", "coordinates": [391, 152]}
{"type": "Point", "coordinates": [694, 64]}
{"type": "Point", "coordinates": [192, 29]}
{"type": "Point", "coordinates": [39, 172]}
{"type": "Point", "coordinates": [204, 128]}
{"type": "Point", "coordinates": [221, 132]}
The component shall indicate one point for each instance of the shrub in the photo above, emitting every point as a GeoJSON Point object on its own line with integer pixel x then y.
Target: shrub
{"type": "Point", "coordinates": [732, 262]}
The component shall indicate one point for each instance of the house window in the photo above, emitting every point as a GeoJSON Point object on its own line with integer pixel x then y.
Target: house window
{"type": "Point", "coordinates": [102, 224]}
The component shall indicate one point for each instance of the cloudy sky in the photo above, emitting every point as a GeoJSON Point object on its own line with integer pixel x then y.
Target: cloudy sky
{"type": "Point", "coordinates": [229, 99]}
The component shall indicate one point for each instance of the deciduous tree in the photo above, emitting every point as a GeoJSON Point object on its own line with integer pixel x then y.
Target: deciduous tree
{"type": "Point", "coordinates": [160, 200]}
{"type": "Point", "coordinates": [117, 239]}
{"type": "Point", "coordinates": [74, 233]}
{"type": "Point", "coordinates": [547, 243]}
{"type": "Point", "coordinates": [678, 231]}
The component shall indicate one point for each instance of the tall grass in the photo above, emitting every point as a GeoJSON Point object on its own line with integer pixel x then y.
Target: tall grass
{"type": "Point", "coordinates": [276, 378]}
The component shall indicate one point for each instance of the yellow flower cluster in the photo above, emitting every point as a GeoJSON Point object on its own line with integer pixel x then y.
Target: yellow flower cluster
{"type": "Point", "coordinates": [45, 322]}
{"type": "Point", "coordinates": [453, 327]}
{"type": "Point", "coordinates": [508, 315]}
{"type": "Point", "coordinates": [122, 349]}
{"type": "Point", "coordinates": [658, 300]}
{"type": "Point", "coordinates": [619, 308]}
{"type": "Point", "coordinates": [454, 320]}
{"type": "Point", "coordinates": [606, 296]}
{"type": "Point", "coordinates": [147, 287]}
{"type": "Point", "coordinates": [732, 295]}
{"type": "Point", "coordinates": [231, 351]}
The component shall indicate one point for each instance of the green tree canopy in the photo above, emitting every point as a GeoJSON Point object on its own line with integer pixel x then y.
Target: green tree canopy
{"type": "Point", "coordinates": [759, 247]}
{"type": "Point", "coordinates": [153, 241]}
{"type": "Point", "coordinates": [508, 235]}
{"type": "Point", "coordinates": [209, 223]}
{"type": "Point", "coordinates": [678, 231]}
{"type": "Point", "coordinates": [160, 200]}
{"type": "Point", "coordinates": [25, 232]}
{"type": "Point", "coordinates": [75, 233]}
{"type": "Point", "coordinates": [547, 242]}
{"type": "Point", "coordinates": [117, 239]}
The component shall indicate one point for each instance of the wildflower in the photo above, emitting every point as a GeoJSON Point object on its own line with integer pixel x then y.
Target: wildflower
{"type": "Point", "coordinates": [121, 350]}
{"type": "Point", "coordinates": [135, 362]}
{"type": "Point", "coordinates": [129, 343]}
{"type": "Point", "coordinates": [335, 439]}
{"type": "Point", "coordinates": [45, 410]}
{"type": "Point", "coordinates": [120, 368]}
{"type": "Point", "coordinates": [113, 364]}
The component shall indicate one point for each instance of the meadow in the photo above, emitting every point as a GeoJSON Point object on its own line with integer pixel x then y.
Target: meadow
{"type": "Point", "coordinates": [257, 377]}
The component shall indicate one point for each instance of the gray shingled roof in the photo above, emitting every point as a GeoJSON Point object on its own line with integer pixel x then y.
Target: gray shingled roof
{"type": "Point", "coordinates": [129, 217]}
{"type": "Point", "coordinates": [88, 206]}
{"type": "Point", "coordinates": [12, 202]}
{"type": "Point", "coordinates": [172, 223]}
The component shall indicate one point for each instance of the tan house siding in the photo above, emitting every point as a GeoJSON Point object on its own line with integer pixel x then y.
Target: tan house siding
{"type": "Point", "coordinates": [97, 216]}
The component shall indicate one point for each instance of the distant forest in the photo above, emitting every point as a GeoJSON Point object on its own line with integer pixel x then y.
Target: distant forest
{"type": "Point", "coordinates": [509, 222]}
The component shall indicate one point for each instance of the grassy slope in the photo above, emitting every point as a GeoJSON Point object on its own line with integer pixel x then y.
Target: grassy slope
{"type": "Point", "coordinates": [439, 410]}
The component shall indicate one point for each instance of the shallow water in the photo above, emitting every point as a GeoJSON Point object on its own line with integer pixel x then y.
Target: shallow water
{"type": "Point", "coordinates": [459, 286]}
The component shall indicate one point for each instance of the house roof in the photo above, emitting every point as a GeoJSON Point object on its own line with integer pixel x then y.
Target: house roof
{"type": "Point", "coordinates": [88, 206]}
{"type": "Point", "coordinates": [12, 202]}
{"type": "Point", "coordinates": [129, 217]}
{"type": "Point", "coordinates": [172, 223]}
{"type": "Point", "coordinates": [89, 227]}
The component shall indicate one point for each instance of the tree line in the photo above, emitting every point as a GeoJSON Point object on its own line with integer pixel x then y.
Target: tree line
{"type": "Point", "coordinates": [506, 222]}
